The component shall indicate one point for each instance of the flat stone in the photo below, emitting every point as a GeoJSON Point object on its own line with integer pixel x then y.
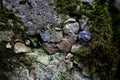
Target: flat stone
{"type": "Point", "coordinates": [50, 48]}
{"type": "Point", "coordinates": [20, 47]}
{"type": "Point", "coordinates": [65, 46]}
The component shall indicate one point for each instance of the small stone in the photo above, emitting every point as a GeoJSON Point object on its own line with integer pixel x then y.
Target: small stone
{"type": "Point", "coordinates": [68, 57]}
{"type": "Point", "coordinates": [56, 36]}
{"type": "Point", "coordinates": [8, 45]}
{"type": "Point", "coordinates": [45, 35]}
{"type": "Point", "coordinates": [58, 29]}
{"type": "Point", "coordinates": [6, 36]}
{"type": "Point", "coordinates": [71, 28]}
{"type": "Point", "coordinates": [65, 46]}
{"type": "Point", "coordinates": [43, 58]}
{"type": "Point", "coordinates": [75, 48]}
{"type": "Point", "coordinates": [50, 48]}
{"type": "Point", "coordinates": [70, 20]}
{"type": "Point", "coordinates": [71, 38]}
{"type": "Point", "coordinates": [33, 74]}
{"type": "Point", "coordinates": [20, 47]}
{"type": "Point", "coordinates": [27, 42]}
{"type": "Point", "coordinates": [83, 22]}
{"type": "Point", "coordinates": [84, 35]}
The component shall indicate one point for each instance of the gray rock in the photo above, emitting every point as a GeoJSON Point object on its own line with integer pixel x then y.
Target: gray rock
{"type": "Point", "coordinates": [56, 35]}
{"type": "Point", "coordinates": [83, 22]}
{"type": "Point", "coordinates": [45, 35]}
{"type": "Point", "coordinates": [71, 28]}
{"type": "Point", "coordinates": [6, 35]}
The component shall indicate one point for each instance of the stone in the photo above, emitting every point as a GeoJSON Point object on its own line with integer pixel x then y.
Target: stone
{"type": "Point", "coordinates": [64, 46]}
{"type": "Point", "coordinates": [56, 35]}
{"type": "Point", "coordinates": [71, 28]}
{"type": "Point", "coordinates": [45, 35]}
{"type": "Point", "coordinates": [8, 45]}
{"type": "Point", "coordinates": [68, 57]}
{"type": "Point", "coordinates": [83, 22]}
{"type": "Point", "coordinates": [43, 58]}
{"type": "Point", "coordinates": [70, 20]}
{"type": "Point", "coordinates": [50, 48]}
{"type": "Point", "coordinates": [71, 38]}
{"type": "Point", "coordinates": [75, 48]}
{"type": "Point", "coordinates": [6, 35]}
{"type": "Point", "coordinates": [84, 35]}
{"type": "Point", "coordinates": [20, 47]}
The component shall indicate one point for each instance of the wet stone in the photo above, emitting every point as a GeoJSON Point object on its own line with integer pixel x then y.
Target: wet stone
{"type": "Point", "coordinates": [65, 46]}
{"type": "Point", "coordinates": [50, 48]}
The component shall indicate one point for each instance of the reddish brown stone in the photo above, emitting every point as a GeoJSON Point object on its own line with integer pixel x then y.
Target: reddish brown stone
{"type": "Point", "coordinates": [65, 46]}
{"type": "Point", "coordinates": [50, 48]}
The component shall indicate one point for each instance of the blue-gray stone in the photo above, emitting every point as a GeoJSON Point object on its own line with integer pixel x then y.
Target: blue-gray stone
{"type": "Point", "coordinates": [45, 35]}
{"type": "Point", "coordinates": [84, 35]}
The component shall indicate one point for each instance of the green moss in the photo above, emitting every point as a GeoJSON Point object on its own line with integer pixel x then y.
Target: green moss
{"type": "Point", "coordinates": [101, 54]}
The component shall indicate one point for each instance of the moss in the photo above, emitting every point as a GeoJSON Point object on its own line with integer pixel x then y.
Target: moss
{"type": "Point", "coordinates": [101, 54]}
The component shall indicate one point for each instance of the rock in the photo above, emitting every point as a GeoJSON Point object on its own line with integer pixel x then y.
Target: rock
{"type": "Point", "coordinates": [70, 20]}
{"type": "Point", "coordinates": [8, 45]}
{"type": "Point", "coordinates": [83, 22]}
{"type": "Point", "coordinates": [84, 35]}
{"type": "Point", "coordinates": [45, 35]}
{"type": "Point", "coordinates": [6, 35]}
{"type": "Point", "coordinates": [71, 28]}
{"type": "Point", "coordinates": [68, 57]}
{"type": "Point", "coordinates": [27, 42]}
{"type": "Point", "coordinates": [71, 38]}
{"type": "Point", "coordinates": [50, 48]}
{"type": "Point", "coordinates": [20, 47]}
{"type": "Point", "coordinates": [64, 46]}
{"type": "Point", "coordinates": [33, 74]}
{"type": "Point", "coordinates": [43, 58]}
{"type": "Point", "coordinates": [56, 35]}
{"type": "Point", "coordinates": [75, 48]}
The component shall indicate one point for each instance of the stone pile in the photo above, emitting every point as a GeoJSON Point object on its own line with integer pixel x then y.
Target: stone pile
{"type": "Point", "coordinates": [57, 40]}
